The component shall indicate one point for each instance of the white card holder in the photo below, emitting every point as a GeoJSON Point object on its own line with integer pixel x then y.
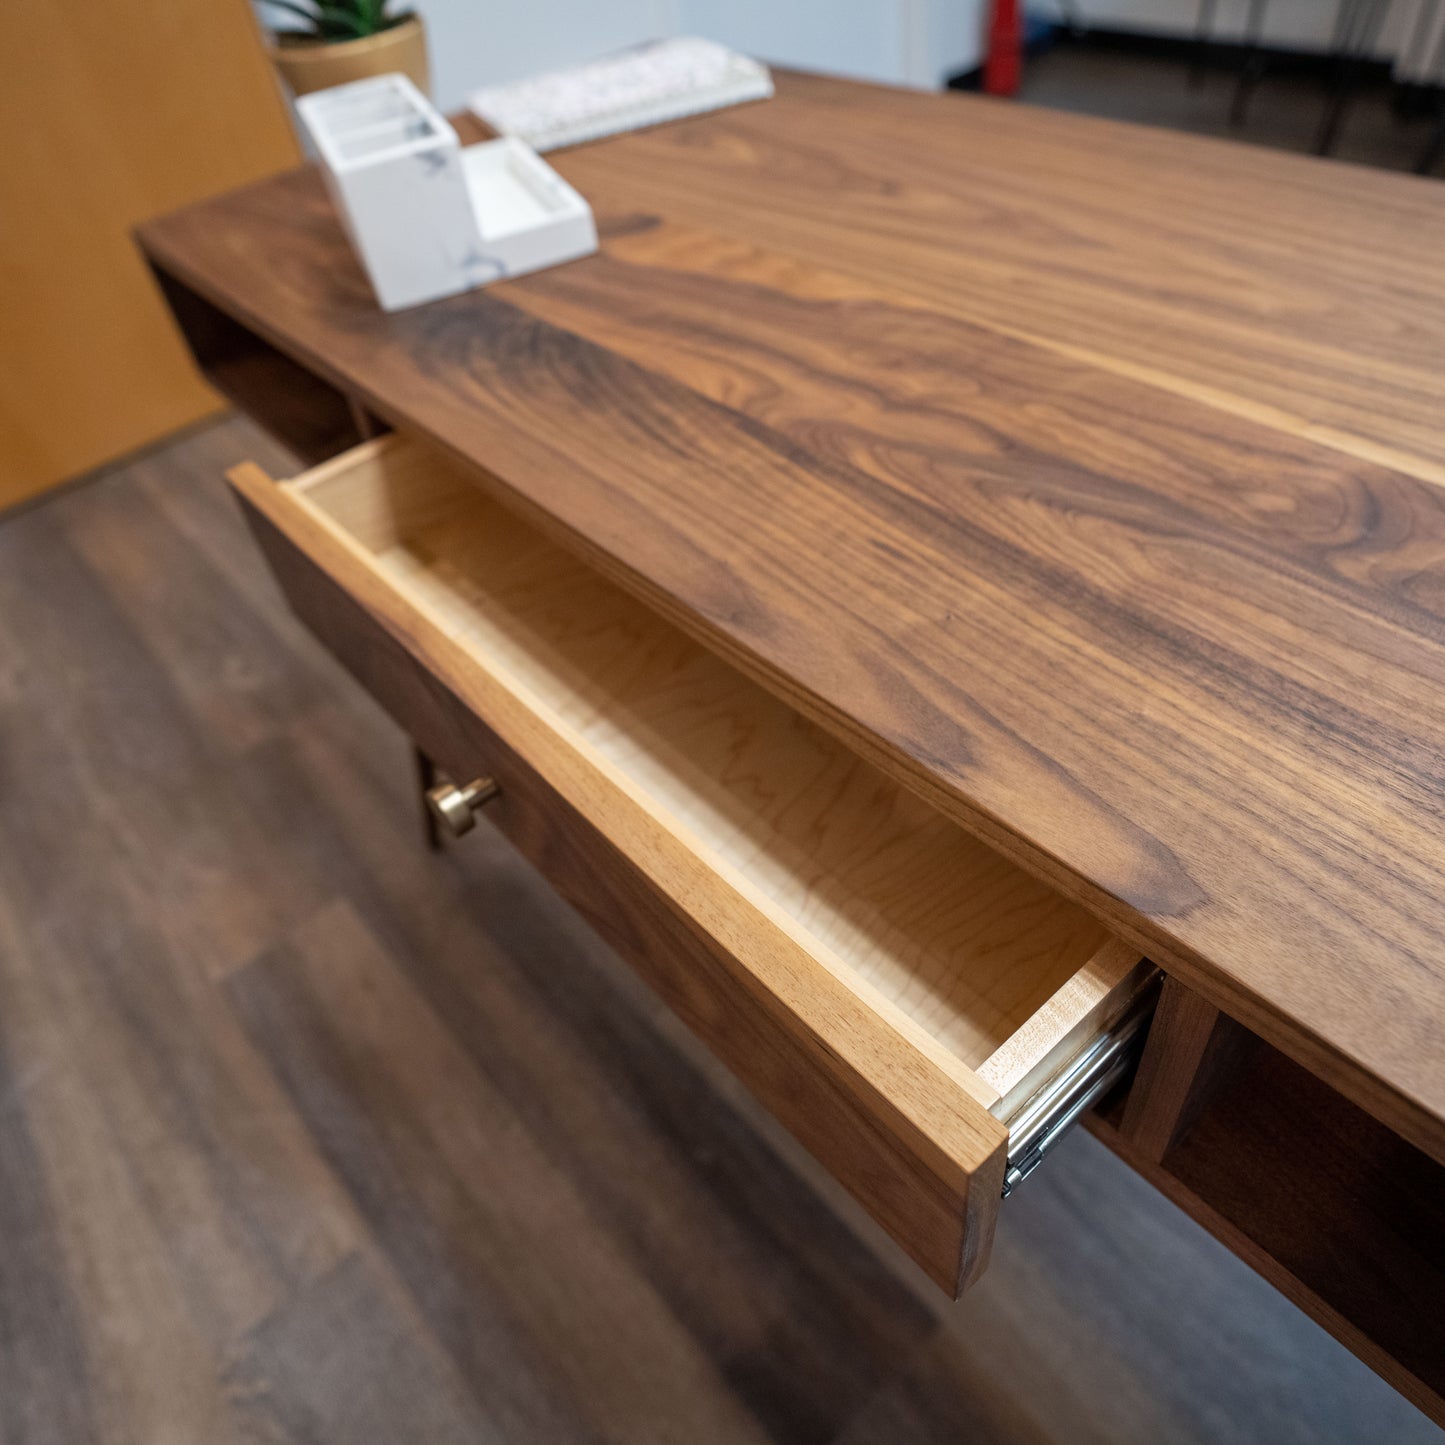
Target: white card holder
{"type": "Point", "coordinates": [428, 217]}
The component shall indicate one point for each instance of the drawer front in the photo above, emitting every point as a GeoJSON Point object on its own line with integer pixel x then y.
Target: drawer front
{"type": "Point", "coordinates": [924, 1158]}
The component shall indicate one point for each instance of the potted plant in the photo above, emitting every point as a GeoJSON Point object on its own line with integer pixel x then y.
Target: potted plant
{"type": "Point", "coordinates": [342, 40]}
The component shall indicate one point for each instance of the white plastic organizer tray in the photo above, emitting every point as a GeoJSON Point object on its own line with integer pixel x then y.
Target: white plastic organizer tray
{"type": "Point", "coordinates": [427, 216]}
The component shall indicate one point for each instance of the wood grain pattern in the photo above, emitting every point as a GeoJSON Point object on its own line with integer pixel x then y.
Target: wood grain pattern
{"type": "Point", "coordinates": [1190, 1045]}
{"type": "Point", "coordinates": [302, 412]}
{"type": "Point", "coordinates": [849, 953]}
{"type": "Point", "coordinates": [1178, 656]}
{"type": "Point", "coordinates": [1303, 295]}
{"type": "Point", "coordinates": [146, 106]}
{"type": "Point", "coordinates": [891, 1123]}
{"type": "Point", "coordinates": [199, 1115]}
{"type": "Point", "coordinates": [1331, 1207]}
{"type": "Point", "coordinates": [1084, 1007]}
{"type": "Point", "coordinates": [225, 1220]}
{"type": "Point", "coordinates": [966, 945]}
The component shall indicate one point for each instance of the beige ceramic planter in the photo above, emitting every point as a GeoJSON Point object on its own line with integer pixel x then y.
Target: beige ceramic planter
{"type": "Point", "coordinates": [319, 64]}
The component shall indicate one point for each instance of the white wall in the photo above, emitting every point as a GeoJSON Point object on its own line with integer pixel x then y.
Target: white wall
{"type": "Point", "coordinates": [908, 42]}
{"type": "Point", "coordinates": [954, 33]}
{"type": "Point", "coordinates": [480, 42]}
{"type": "Point", "coordinates": [914, 42]}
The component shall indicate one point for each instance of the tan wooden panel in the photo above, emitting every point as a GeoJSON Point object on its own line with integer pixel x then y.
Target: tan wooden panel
{"type": "Point", "coordinates": [109, 114]}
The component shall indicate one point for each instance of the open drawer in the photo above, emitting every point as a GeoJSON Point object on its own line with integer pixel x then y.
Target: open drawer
{"type": "Point", "coordinates": [900, 996]}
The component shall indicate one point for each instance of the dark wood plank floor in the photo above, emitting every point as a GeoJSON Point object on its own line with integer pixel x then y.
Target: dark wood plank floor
{"type": "Point", "coordinates": [307, 1135]}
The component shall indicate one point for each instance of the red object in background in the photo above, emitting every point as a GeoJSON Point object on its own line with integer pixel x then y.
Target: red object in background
{"type": "Point", "coordinates": [1001, 69]}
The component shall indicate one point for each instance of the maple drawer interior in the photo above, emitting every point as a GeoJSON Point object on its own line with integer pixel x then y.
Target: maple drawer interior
{"type": "Point", "coordinates": [970, 961]}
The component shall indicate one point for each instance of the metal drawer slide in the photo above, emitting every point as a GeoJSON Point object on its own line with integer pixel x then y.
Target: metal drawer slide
{"type": "Point", "coordinates": [1046, 1117]}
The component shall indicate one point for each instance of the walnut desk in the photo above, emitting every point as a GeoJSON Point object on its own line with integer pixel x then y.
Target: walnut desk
{"type": "Point", "coordinates": [938, 556]}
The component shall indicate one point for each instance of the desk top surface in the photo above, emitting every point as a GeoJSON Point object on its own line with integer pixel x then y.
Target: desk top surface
{"type": "Point", "coordinates": [1088, 478]}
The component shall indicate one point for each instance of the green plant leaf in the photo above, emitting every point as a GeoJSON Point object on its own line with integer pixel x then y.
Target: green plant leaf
{"type": "Point", "coordinates": [348, 20]}
{"type": "Point", "coordinates": [364, 13]}
{"type": "Point", "coordinates": [342, 19]}
{"type": "Point", "coordinates": [342, 22]}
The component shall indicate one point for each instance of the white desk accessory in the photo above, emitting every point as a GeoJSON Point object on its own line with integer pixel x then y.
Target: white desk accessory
{"type": "Point", "coordinates": [664, 80]}
{"type": "Point", "coordinates": [427, 216]}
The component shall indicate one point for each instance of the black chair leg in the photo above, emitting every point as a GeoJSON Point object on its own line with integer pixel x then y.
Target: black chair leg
{"type": "Point", "coordinates": [1203, 28]}
{"type": "Point", "coordinates": [1073, 19]}
{"type": "Point", "coordinates": [1356, 31]}
{"type": "Point", "coordinates": [1252, 67]}
{"type": "Point", "coordinates": [1335, 110]}
{"type": "Point", "coordinates": [1434, 149]}
{"type": "Point", "coordinates": [1435, 146]}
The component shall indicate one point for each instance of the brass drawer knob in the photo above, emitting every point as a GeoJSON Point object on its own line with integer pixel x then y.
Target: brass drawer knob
{"type": "Point", "coordinates": [456, 808]}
